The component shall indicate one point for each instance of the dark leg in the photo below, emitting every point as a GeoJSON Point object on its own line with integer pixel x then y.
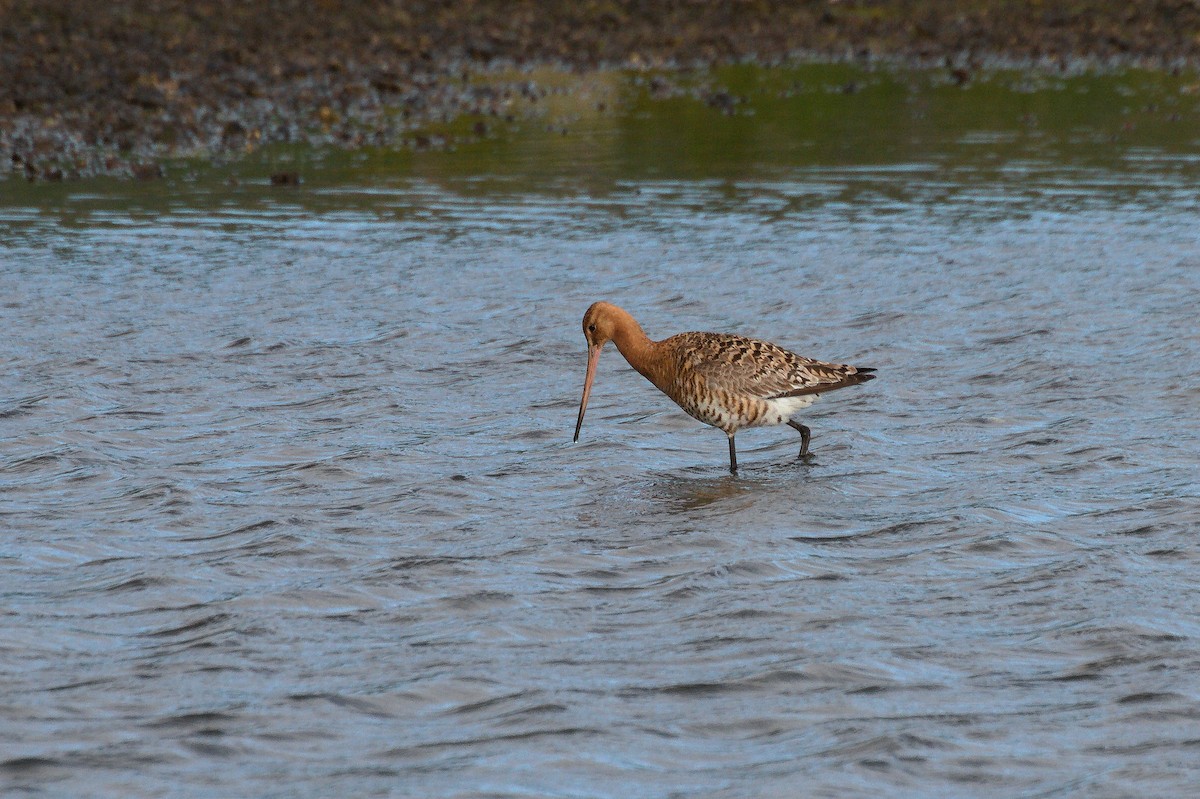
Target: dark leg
{"type": "Point", "coordinates": [805, 434]}
{"type": "Point", "coordinates": [732, 455]}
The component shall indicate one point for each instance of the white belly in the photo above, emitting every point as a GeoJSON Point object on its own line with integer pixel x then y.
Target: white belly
{"type": "Point", "coordinates": [718, 414]}
{"type": "Point", "coordinates": [781, 410]}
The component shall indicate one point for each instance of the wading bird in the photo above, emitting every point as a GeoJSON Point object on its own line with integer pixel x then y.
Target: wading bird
{"type": "Point", "coordinates": [724, 380]}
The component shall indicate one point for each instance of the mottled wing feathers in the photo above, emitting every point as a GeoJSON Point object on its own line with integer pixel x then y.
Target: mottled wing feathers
{"type": "Point", "coordinates": [857, 374]}
{"type": "Point", "coordinates": [759, 368]}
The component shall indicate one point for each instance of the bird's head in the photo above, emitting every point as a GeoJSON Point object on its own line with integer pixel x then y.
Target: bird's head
{"type": "Point", "coordinates": [600, 323]}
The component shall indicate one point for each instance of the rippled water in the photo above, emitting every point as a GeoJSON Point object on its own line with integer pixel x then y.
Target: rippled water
{"type": "Point", "coordinates": [291, 508]}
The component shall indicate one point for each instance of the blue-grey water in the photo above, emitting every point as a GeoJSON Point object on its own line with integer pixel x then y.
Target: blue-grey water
{"type": "Point", "coordinates": [289, 505]}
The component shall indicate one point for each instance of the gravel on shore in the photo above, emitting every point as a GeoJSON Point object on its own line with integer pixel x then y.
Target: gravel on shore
{"type": "Point", "coordinates": [113, 87]}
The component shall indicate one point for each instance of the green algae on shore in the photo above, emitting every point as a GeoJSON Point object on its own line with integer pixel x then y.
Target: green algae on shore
{"type": "Point", "coordinates": [593, 131]}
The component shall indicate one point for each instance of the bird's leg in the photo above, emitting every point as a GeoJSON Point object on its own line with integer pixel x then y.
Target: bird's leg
{"type": "Point", "coordinates": [732, 455]}
{"type": "Point", "coordinates": [805, 434]}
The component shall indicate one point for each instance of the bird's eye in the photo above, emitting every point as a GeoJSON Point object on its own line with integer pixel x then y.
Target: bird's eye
{"type": "Point", "coordinates": [591, 328]}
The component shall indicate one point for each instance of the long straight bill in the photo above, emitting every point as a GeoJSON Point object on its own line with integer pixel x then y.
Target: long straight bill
{"type": "Point", "coordinates": [593, 359]}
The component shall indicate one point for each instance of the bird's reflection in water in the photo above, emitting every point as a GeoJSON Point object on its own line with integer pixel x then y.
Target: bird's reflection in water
{"type": "Point", "coordinates": [699, 487]}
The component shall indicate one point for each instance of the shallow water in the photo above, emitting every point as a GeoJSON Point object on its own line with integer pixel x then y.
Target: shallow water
{"type": "Point", "coordinates": [291, 508]}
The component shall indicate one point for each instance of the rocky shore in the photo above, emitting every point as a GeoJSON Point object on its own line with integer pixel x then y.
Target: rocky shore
{"type": "Point", "coordinates": [114, 87]}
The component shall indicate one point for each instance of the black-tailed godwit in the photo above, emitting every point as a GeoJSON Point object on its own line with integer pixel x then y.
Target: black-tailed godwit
{"type": "Point", "coordinates": [724, 380]}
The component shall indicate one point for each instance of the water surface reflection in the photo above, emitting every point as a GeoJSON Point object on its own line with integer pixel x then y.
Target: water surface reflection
{"type": "Point", "coordinates": [292, 507]}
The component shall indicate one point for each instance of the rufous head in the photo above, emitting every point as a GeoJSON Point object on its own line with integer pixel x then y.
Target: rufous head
{"type": "Point", "coordinates": [600, 322]}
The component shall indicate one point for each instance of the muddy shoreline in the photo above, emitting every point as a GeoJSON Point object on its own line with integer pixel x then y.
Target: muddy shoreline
{"type": "Point", "coordinates": [114, 88]}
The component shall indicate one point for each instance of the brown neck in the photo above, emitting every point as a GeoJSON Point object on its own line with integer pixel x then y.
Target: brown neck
{"type": "Point", "coordinates": [636, 346]}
